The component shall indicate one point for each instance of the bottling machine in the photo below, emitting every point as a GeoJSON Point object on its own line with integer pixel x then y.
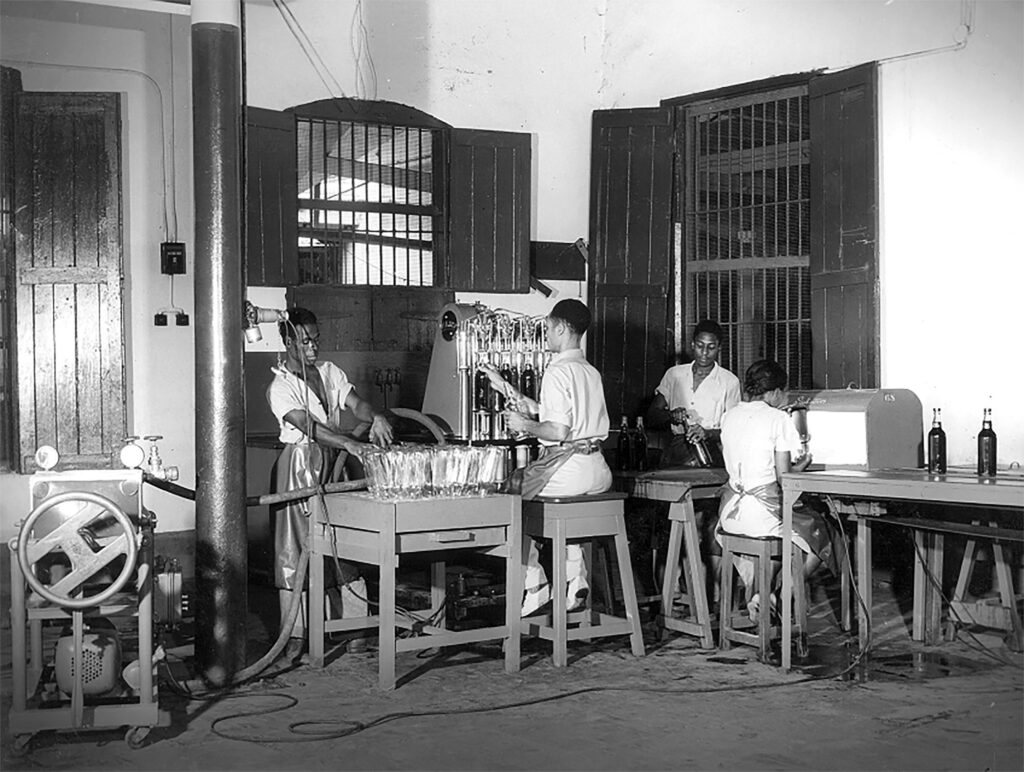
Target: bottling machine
{"type": "Point", "coordinates": [459, 396]}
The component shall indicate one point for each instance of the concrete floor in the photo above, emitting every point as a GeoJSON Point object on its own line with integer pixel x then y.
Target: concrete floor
{"type": "Point", "coordinates": [956, 706]}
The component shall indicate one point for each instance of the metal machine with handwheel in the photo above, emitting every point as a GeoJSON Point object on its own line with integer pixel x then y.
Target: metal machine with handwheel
{"type": "Point", "coordinates": [83, 563]}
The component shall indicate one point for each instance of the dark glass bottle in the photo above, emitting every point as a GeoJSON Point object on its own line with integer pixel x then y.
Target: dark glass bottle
{"type": "Point", "coordinates": [937, 445]}
{"type": "Point", "coordinates": [700, 447]}
{"type": "Point", "coordinates": [513, 378]}
{"type": "Point", "coordinates": [528, 382]}
{"type": "Point", "coordinates": [640, 449]}
{"type": "Point", "coordinates": [987, 446]}
{"type": "Point", "coordinates": [624, 450]}
{"type": "Point", "coordinates": [481, 389]}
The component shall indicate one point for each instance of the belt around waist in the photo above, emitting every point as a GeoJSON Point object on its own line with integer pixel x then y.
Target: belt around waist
{"type": "Point", "coordinates": [583, 447]}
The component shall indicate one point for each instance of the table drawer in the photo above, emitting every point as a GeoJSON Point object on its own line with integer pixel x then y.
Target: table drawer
{"type": "Point", "coordinates": [450, 538]}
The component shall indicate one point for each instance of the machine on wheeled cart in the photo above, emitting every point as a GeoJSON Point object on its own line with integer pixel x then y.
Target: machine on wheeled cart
{"type": "Point", "coordinates": [86, 539]}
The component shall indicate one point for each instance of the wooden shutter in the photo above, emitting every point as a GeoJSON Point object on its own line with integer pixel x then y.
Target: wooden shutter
{"type": "Point", "coordinates": [489, 211]}
{"type": "Point", "coordinates": [271, 235]}
{"type": "Point", "coordinates": [630, 252]}
{"type": "Point", "coordinates": [70, 362]}
{"type": "Point", "coordinates": [844, 229]}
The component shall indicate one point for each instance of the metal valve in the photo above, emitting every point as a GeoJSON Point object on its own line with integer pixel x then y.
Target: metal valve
{"type": "Point", "coordinates": [155, 464]}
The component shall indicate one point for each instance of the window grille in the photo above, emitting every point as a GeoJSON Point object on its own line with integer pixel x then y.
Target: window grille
{"type": "Point", "coordinates": [367, 210]}
{"type": "Point", "coordinates": [746, 228]}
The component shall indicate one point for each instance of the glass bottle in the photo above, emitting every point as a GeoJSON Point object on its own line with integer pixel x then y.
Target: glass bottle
{"type": "Point", "coordinates": [624, 450]}
{"type": "Point", "coordinates": [640, 449]}
{"type": "Point", "coordinates": [528, 381]}
{"type": "Point", "coordinates": [937, 444]}
{"type": "Point", "coordinates": [987, 446]}
{"type": "Point", "coordinates": [481, 389]}
{"type": "Point", "coordinates": [699, 446]}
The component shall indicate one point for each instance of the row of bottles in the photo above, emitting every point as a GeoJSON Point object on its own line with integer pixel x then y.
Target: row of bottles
{"type": "Point", "coordinates": [517, 346]}
{"type": "Point", "coordinates": [631, 451]}
{"type": "Point", "coordinates": [986, 445]}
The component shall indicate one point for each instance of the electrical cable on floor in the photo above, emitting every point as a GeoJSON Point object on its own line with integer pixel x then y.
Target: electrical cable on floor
{"type": "Point", "coordinates": [304, 734]}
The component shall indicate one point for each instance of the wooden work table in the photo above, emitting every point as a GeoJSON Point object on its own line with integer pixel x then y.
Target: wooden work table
{"type": "Point", "coordinates": [361, 528]}
{"type": "Point", "coordinates": [959, 487]}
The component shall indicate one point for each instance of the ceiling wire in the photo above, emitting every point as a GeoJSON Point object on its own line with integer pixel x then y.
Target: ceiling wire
{"type": "Point", "coordinates": [334, 88]}
{"type": "Point", "coordinates": [173, 235]}
{"type": "Point", "coordinates": [359, 39]}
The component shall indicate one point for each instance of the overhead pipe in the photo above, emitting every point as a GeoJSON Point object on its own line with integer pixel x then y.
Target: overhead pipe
{"type": "Point", "coordinates": [221, 561]}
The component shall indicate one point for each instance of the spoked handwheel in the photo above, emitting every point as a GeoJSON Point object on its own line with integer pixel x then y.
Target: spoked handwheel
{"type": "Point", "coordinates": [69, 537]}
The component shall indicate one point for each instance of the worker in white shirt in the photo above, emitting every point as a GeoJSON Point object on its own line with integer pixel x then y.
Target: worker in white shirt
{"type": "Point", "coordinates": [570, 421]}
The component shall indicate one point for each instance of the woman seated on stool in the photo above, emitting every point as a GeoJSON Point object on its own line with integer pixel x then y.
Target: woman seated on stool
{"type": "Point", "coordinates": [759, 443]}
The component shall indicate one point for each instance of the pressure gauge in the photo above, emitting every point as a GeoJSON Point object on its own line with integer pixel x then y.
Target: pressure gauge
{"type": "Point", "coordinates": [133, 456]}
{"type": "Point", "coordinates": [47, 457]}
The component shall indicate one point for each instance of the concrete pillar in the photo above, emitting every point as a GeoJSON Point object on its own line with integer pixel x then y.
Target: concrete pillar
{"type": "Point", "coordinates": [221, 570]}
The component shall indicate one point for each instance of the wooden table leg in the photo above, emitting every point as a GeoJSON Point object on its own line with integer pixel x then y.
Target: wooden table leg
{"type": "Point", "coordinates": [670, 577]}
{"type": "Point", "coordinates": [695, 575]}
{"type": "Point", "coordinates": [559, 620]}
{"type": "Point", "coordinates": [933, 621]}
{"type": "Point", "coordinates": [513, 587]}
{"type": "Point", "coordinates": [315, 596]}
{"type": "Point", "coordinates": [864, 583]}
{"type": "Point", "coordinates": [636, 637]}
{"type": "Point", "coordinates": [1007, 595]}
{"type": "Point", "coordinates": [388, 561]}
{"type": "Point", "coordinates": [920, 585]}
{"type": "Point", "coordinates": [789, 498]}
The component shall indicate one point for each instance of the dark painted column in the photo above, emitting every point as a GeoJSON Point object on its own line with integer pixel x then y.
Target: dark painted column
{"type": "Point", "coordinates": [221, 571]}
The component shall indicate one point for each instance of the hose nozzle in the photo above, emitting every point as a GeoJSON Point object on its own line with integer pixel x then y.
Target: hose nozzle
{"type": "Point", "coordinates": [254, 316]}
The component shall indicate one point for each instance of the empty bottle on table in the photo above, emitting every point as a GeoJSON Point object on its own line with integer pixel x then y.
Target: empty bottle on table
{"type": "Point", "coordinates": [937, 445]}
{"type": "Point", "coordinates": [640, 445]}
{"type": "Point", "coordinates": [625, 446]}
{"type": "Point", "coordinates": [987, 446]}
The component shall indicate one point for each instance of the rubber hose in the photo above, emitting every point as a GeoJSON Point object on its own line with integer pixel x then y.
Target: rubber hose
{"type": "Point", "coordinates": [256, 501]}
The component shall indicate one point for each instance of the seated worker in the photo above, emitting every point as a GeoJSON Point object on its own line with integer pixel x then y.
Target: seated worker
{"type": "Point", "coordinates": [307, 397]}
{"type": "Point", "coordinates": [759, 442]}
{"type": "Point", "coordinates": [571, 422]}
{"type": "Point", "coordinates": [692, 398]}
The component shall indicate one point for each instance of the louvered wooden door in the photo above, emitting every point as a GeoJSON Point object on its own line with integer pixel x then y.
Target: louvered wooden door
{"type": "Point", "coordinates": [70, 362]}
{"type": "Point", "coordinates": [630, 253]}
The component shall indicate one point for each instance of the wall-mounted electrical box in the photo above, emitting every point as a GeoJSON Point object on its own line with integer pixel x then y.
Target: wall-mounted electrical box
{"type": "Point", "coordinates": [172, 257]}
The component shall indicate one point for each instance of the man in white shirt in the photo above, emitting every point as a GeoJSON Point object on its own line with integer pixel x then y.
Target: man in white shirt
{"type": "Point", "coordinates": [308, 397]}
{"type": "Point", "coordinates": [571, 423]}
{"type": "Point", "coordinates": [694, 397]}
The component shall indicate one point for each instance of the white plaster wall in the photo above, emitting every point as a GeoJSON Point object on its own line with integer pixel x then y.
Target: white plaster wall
{"type": "Point", "coordinates": [77, 47]}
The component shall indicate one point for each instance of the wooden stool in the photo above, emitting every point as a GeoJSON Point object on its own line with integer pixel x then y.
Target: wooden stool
{"type": "Point", "coordinates": [581, 518]}
{"type": "Point", "coordinates": [760, 549]}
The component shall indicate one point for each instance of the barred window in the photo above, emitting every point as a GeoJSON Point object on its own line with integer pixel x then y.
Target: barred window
{"type": "Point", "coordinates": [369, 204]}
{"type": "Point", "coordinates": [746, 201]}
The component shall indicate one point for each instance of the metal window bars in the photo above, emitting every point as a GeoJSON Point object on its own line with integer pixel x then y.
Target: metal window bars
{"type": "Point", "coordinates": [366, 203]}
{"type": "Point", "coordinates": [746, 228]}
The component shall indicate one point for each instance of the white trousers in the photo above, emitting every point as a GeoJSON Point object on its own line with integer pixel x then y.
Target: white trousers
{"type": "Point", "coordinates": [575, 565]}
{"type": "Point", "coordinates": [345, 602]}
